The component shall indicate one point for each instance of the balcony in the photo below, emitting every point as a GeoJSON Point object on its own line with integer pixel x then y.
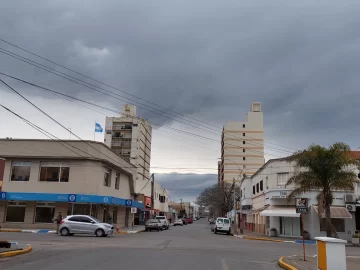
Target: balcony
{"type": "Point", "coordinates": [122, 127]}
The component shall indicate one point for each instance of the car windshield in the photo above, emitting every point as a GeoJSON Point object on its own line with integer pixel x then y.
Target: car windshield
{"type": "Point", "coordinates": [161, 217]}
{"type": "Point", "coordinates": [220, 220]}
{"type": "Point", "coordinates": [226, 221]}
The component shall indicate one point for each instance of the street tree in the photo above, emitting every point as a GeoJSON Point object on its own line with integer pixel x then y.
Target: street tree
{"type": "Point", "coordinates": [218, 197]}
{"type": "Point", "coordinates": [324, 170]}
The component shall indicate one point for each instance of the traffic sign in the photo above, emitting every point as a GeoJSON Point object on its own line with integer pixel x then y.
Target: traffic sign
{"type": "Point", "coordinates": [302, 205]}
{"type": "Point", "coordinates": [128, 202]}
{"type": "Point", "coordinates": [133, 210]}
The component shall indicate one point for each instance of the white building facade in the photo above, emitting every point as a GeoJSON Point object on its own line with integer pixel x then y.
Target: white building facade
{"type": "Point", "coordinates": [130, 137]}
{"type": "Point", "coordinates": [272, 209]}
{"type": "Point", "coordinates": [242, 146]}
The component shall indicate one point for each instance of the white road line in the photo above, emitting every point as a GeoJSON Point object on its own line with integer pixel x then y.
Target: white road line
{"type": "Point", "coordinates": [224, 265]}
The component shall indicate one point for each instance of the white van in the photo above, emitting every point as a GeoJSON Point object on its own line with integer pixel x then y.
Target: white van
{"type": "Point", "coordinates": [222, 225]}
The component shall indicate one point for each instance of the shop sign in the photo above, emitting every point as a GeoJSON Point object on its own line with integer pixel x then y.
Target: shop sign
{"type": "Point", "coordinates": [133, 210]}
{"type": "Point", "coordinates": [281, 194]}
{"type": "Point", "coordinates": [302, 205]}
{"type": "Point", "coordinates": [246, 207]}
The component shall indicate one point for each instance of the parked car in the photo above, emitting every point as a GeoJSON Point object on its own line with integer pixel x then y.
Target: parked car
{"type": "Point", "coordinates": [189, 220]}
{"type": "Point", "coordinates": [153, 224]}
{"type": "Point", "coordinates": [164, 221]}
{"type": "Point", "coordinates": [222, 225]}
{"type": "Point", "coordinates": [83, 224]}
{"type": "Point", "coordinates": [178, 222]}
{"type": "Point", "coordinates": [184, 221]}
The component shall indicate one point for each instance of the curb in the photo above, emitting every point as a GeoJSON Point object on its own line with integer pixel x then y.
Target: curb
{"type": "Point", "coordinates": [263, 239]}
{"type": "Point", "coordinates": [129, 232]}
{"type": "Point", "coordinates": [15, 252]}
{"type": "Point", "coordinates": [26, 231]}
{"type": "Point", "coordinates": [285, 265]}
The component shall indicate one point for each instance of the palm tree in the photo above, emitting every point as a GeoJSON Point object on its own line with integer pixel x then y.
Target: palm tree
{"type": "Point", "coordinates": [325, 170]}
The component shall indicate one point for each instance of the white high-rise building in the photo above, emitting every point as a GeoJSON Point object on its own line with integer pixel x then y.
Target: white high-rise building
{"type": "Point", "coordinates": [130, 137]}
{"type": "Point", "coordinates": [242, 146]}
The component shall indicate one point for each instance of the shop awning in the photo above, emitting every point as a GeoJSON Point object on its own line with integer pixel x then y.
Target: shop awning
{"type": "Point", "coordinates": [280, 212]}
{"type": "Point", "coordinates": [336, 212]}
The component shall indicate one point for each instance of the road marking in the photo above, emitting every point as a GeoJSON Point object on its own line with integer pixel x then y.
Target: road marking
{"type": "Point", "coordinates": [224, 265]}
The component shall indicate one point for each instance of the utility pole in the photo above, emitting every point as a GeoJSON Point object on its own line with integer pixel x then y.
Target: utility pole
{"type": "Point", "coordinates": [152, 191]}
{"type": "Point", "coordinates": [181, 208]}
{"type": "Point", "coordinates": [234, 207]}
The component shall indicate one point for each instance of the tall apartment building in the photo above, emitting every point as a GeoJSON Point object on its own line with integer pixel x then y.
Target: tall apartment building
{"type": "Point", "coordinates": [130, 137]}
{"type": "Point", "coordinates": [242, 146]}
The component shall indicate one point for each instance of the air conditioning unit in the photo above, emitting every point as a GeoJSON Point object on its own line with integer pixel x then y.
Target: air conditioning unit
{"type": "Point", "coordinates": [350, 198]}
{"type": "Point", "coordinates": [351, 207]}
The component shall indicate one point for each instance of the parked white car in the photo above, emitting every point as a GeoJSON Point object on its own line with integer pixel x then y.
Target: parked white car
{"type": "Point", "coordinates": [222, 225]}
{"type": "Point", "coordinates": [178, 222]}
{"type": "Point", "coordinates": [164, 221]}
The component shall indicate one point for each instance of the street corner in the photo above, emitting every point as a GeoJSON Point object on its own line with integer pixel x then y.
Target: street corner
{"type": "Point", "coordinates": [16, 252]}
{"type": "Point", "coordinates": [27, 231]}
{"type": "Point", "coordinates": [285, 265]}
{"type": "Point", "coordinates": [129, 232]}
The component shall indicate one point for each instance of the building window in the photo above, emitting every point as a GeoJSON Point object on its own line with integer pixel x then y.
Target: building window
{"type": "Point", "coordinates": [282, 179]}
{"type": "Point", "coordinates": [254, 189]}
{"type": "Point", "coordinates": [117, 181]}
{"type": "Point", "coordinates": [45, 212]}
{"type": "Point", "coordinates": [338, 223]}
{"type": "Point", "coordinates": [243, 125]}
{"type": "Point", "coordinates": [261, 185]}
{"type": "Point", "coordinates": [107, 178]}
{"type": "Point", "coordinates": [20, 171]}
{"type": "Point", "coordinates": [267, 182]}
{"type": "Point", "coordinates": [15, 211]}
{"type": "Point", "coordinates": [243, 150]}
{"type": "Point", "coordinates": [243, 142]}
{"type": "Point", "coordinates": [244, 158]}
{"type": "Point", "coordinates": [51, 172]}
{"type": "Point", "coordinates": [243, 134]}
{"type": "Point", "coordinates": [257, 187]}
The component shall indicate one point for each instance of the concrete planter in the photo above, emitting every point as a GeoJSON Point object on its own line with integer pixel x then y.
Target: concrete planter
{"type": "Point", "coordinates": [355, 241]}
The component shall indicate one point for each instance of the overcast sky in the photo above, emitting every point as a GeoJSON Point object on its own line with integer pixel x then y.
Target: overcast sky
{"type": "Point", "coordinates": [207, 60]}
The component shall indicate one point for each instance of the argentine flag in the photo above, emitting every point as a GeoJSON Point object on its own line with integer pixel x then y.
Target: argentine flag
{"type": "Point", "coordinates": [98, 128]}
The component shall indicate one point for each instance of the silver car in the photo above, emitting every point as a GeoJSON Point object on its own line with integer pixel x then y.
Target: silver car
{"type": "Point", "coordinates": [82, 224]}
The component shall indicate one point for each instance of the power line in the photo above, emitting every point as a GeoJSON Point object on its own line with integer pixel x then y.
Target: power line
{"type": "Point", "coordinates": [18, 47]}
{"type": "Point", "coordinates": [105, 108]}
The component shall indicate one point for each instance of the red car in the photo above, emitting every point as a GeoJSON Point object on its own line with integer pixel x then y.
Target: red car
{"type": "Point", "coordinates": [189, 220]}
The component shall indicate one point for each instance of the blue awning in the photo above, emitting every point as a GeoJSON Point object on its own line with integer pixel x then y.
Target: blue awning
{"type": "Point", "coordinates": [72, 198]}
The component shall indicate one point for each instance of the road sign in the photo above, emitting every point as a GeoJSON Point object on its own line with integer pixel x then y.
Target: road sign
{"type": "Point", "coordinates": [302, 205]}
{"type": "Point", "coordinates": [133, 210]}
{"type": "Point", "coordinates": [128, 202]}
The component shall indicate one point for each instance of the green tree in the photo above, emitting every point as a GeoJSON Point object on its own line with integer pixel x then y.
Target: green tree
{"type": "Point", "coordinates": [324, 170]}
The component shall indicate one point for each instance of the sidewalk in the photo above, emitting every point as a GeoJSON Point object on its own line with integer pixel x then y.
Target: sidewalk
{"type": "Point", "coordinates": [253, 236]}
{"type": "Point", "coordinates": [297, 262]}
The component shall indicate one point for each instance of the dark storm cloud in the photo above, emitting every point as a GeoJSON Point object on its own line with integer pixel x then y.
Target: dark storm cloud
{"type": "Point", "coordinates": [185, 186]}
{"type": "Point", "coordinates": [205, 58]}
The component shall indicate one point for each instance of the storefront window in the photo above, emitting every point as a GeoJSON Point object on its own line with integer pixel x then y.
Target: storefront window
{"type": "Point", "coordinates": [15, 211]}
{"type": "Point", "coordinates": [45, 212]}
{"type": "Point", "coordinates": [52, 172]}
{"type": "Point", "coordinates": [94, 210]}
{"type": "Point", "coordinates": [20, 171]}
{"type": "Point", "coordinates": [338, 223]}
{"type": "Point", "coordinates": [290, 226]}
{"type": "Point", "coordinates": [79, 209]}
{"type": "Point", "coordinates": [115, 211]}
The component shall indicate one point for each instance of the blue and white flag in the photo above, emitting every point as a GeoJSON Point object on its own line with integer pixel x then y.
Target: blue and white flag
{"type": "Point", "coordinates": [98, 128]}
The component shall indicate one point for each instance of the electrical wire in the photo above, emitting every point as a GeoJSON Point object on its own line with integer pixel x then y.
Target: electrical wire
{"type": "Point", "coordinates": [24, 59]}
{"type": "Point", "coordinates": [105, 108]}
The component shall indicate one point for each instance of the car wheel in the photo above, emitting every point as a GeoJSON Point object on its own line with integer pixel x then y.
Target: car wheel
{"type": "Point", "coordinates": [64, 232]}
{"type": "Point", "coordinates": [99, 232]}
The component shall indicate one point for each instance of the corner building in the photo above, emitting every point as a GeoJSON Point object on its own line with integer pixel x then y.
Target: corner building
{"type": "Point", "coordinates": [43, 177]}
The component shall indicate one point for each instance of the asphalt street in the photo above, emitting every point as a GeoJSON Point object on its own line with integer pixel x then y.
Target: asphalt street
{"type": "Point", "coordinates": [192, 246]}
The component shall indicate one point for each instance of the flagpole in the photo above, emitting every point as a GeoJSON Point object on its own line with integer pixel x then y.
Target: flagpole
{"type": "Point", "coordinates": [94, 130]}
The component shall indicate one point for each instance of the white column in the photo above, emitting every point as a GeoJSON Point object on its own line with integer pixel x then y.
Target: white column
{"type": "Point", "coordinates": [331, 253]}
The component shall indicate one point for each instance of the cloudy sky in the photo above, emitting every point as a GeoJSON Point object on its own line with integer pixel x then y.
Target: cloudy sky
{"type": "Point", "coordinates": [189, 66]}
